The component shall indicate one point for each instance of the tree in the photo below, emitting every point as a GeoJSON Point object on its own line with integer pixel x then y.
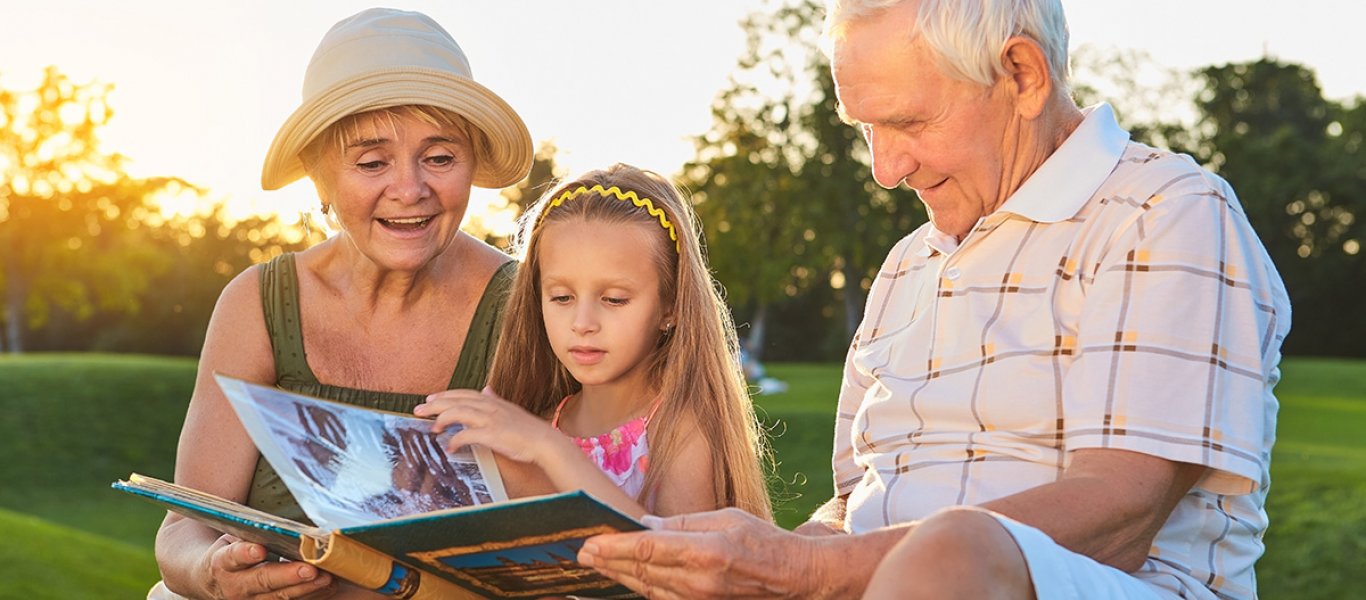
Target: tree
{"type": "Point", "coordinates": [1296, 160]}
{"type": "Point", "coordinates": [208, 249]}
{"type": "Point", "coordinates": [1153, 103]}
{"type": "Point", "coordinates": [69, 215]}
{"type": "Point", "coordinates": [1294, 157]}
{"type": "Point", "coordinates": [498, 223]}
{"type": "Point", "coordinates": [864, 220]}
{"type": "Point", "coordinates": [784, 190]}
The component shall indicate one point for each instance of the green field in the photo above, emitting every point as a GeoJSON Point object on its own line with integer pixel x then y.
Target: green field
{"type": "Point", "coordinates": [71, 424]}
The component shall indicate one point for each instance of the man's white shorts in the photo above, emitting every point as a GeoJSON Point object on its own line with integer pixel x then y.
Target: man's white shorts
{"type": "Point", "coordinates": [1061, 574]}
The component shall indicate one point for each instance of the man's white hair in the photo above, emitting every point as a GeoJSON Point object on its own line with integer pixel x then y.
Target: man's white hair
{"type": "Point", "coordinates": [967, 36]}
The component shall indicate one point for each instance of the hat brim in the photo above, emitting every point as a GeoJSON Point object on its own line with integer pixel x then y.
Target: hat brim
{"type": "Point", "coordinates": [510, 153]}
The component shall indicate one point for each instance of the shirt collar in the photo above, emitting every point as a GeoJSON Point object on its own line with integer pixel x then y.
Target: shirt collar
{"type": "Point", "coordinates": [938, 241]}
{"type": "Point", "coordinates": [1072, 174]}
{"type": "Point", "coordinates": [1065, 181]}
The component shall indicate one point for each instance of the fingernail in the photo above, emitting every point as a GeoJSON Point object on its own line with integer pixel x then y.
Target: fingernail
{"type": "Point", "coordinates": [586, 555]}
{"type": "Point", "coordinates": [652, 522]}
{"type": "Point", "coordinates": [257, 553]}
{"type": "Point", "coordinates": [307, 573]}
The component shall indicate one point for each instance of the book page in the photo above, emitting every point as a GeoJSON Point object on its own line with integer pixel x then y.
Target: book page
{"type": "Point", "coordinates": [278, 534]}
{"type": "Point", "coordinates": [348, 465]}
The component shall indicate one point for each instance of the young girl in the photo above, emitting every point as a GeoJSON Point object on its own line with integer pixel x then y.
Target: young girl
{"type": "Point", "coordinates": [619, 355]}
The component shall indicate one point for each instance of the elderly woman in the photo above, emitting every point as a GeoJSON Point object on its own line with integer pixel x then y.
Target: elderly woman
{"type": "Point", "coordinates": [393, 131]}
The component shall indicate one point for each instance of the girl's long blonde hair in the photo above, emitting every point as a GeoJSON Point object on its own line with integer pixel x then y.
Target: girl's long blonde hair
{"type": "Point", "coordinates": [695, 366]}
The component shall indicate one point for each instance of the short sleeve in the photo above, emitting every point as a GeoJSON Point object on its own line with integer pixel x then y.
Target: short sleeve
{"type": "Point", "coordinates": [1179, 337]}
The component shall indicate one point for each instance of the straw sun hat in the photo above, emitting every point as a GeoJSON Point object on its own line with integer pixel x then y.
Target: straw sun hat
{"type": "Point", "coordinates": [383, 57]}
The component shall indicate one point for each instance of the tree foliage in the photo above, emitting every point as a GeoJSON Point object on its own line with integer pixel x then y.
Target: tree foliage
{"type": "Point", "coordinates": [1297, 163]}
{"type": "Point", "coordinates": [784, 192]}
{"type": "Point", "coordinates": [795, 226]}
{"type": "Point", "coordinates": [69, 222]}
{"type": "Point", "coordinates": [497, 225]}
{"type": "Point", "coordinates": [1294, 157]}
{"type": "Point", "coordinates": [1153, 103]}
{"type": "Point", "coordinates": [89, 261]}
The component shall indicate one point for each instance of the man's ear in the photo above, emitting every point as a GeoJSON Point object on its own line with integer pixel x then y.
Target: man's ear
{"type": "Point", "coordinates": [1027, 74]}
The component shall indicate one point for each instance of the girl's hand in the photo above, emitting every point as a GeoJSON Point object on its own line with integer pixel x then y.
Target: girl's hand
{"type": "Point", "coordinates": [512, 432]}
{"type": "Point", "coordinates": [494, 423]}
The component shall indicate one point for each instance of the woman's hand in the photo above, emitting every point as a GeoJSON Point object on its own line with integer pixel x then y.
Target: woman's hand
{"type": "Point", "coordinates": [496, 424]}
{"type": "Point", "coordinates": [238, 569]}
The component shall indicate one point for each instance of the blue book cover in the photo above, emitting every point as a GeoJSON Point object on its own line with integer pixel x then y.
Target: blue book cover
{"type": "Point", "coordinates": [279, 535]}
{"type": "Point", "coordinates": [380, 488]}
{"type": "Point", "coordinates": [522, 548]}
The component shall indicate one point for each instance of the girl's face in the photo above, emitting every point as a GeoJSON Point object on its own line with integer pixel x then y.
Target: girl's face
{"type": "Point", "coordinates": [600, 299]}
{"type": "Point", "coordinates": [400, 190]}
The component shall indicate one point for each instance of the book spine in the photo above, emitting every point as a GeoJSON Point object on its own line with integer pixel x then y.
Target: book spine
{"type": "Point", "coordinates": [363, 566]}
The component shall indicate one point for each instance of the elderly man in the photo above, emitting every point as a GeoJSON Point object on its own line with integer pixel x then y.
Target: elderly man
{"type": "Point", "coordinates": [1062, 384]}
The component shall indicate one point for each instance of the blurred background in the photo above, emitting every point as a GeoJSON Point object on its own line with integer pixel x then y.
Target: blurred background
{"type": "Point", "coordinates": [132, 134]}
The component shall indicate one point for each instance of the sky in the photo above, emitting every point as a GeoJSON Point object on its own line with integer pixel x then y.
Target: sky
{"type": "Point", "coordinates": [201, 87]}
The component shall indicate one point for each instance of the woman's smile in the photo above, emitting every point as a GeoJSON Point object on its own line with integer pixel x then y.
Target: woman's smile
{"type": "Point", "coordinates": [406, 224]}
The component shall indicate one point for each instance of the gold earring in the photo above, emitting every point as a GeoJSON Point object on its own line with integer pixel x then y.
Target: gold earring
{"type": "Point", "coordinates": [326, 208]}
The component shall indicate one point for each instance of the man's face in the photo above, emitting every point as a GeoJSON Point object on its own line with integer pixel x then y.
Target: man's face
{"type": "Point", "coordinates": [943, 137]}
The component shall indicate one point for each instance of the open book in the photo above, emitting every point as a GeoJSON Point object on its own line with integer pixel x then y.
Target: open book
{"type": "Point", "coordinates": [393, 512]}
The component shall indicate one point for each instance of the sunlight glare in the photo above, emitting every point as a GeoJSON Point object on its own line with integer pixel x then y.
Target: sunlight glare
{"type": "Point", "coordinates": [71, 114]}
{"type": "Point", "coordinates": [178, 202]}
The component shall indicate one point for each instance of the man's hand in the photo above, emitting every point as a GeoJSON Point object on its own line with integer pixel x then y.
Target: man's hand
{"type": "Point", "coordinates": [722, 554]}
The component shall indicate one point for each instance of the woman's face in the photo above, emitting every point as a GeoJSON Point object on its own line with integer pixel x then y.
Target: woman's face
{"type": "Point", "coordinates": [399, 188]}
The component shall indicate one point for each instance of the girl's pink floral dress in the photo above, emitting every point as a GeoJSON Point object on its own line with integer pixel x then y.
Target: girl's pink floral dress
{"type": "Point", "coordinates": [622, 453]}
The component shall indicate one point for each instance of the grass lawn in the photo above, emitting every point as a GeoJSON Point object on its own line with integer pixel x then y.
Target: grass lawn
{"type": "Point", "coordinates": [71, 424]}
{"type": "Point", "coordinates": [1316, 547]}
{"type": "Point", "coordinates": [39, 559]}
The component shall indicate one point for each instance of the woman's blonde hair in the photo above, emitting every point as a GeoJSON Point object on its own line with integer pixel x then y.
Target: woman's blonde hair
{"type": "Point", "coordinates": [695, 366]}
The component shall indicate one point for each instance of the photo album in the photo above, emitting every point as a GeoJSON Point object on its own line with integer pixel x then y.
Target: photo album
{"type": "Point", "coordinates": [394, 512]}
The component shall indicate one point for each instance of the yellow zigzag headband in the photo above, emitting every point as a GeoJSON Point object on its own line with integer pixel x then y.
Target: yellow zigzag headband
{"type": "Point", "coordinates": [627, 196]}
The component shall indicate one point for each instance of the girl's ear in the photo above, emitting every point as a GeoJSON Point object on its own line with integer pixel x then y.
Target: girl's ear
{"type": "Point", "coordinates": [666, 330]}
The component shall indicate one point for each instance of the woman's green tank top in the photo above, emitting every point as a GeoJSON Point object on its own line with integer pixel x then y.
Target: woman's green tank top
{"type": "Point", "coordinates": [280, 301]}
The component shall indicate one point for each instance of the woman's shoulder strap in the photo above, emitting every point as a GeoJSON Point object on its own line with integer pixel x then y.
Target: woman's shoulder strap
{"type": "Point", "coordinates": [472, 370]}
{"type": "Point", "coordinates": [280, 303]}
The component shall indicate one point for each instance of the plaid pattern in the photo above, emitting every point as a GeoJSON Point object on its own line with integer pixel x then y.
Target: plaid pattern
{"type": "Point", "coordinates": [1147, 318]}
